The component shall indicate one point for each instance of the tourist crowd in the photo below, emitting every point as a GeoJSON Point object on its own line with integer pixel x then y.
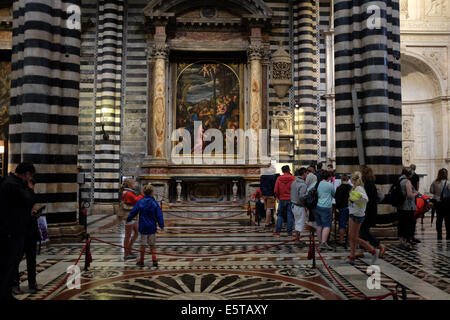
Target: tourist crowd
{"type": "Point", "coordinates": [313, 197]}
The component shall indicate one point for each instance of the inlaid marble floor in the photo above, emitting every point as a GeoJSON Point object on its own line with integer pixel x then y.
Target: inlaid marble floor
{"type": "Point", "coordinates": [282, 271]}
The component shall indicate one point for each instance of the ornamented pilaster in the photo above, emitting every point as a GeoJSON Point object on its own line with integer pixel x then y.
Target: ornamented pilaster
{"type": "Point", "coordinates": [255, 54]}
{"type": "Point", "coordinates": [159, 54]}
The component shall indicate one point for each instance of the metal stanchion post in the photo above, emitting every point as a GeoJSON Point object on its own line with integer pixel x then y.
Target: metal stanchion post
{"type": "Point", "coordinates": [313, 249]}
{"type": "Point", "coordinates": [87, 253]}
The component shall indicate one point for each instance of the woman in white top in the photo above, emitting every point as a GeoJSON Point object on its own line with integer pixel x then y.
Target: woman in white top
{"type": "Point", "coordinates": [357, 207]}
{"type": "Point", "coordinates": [443, 213]}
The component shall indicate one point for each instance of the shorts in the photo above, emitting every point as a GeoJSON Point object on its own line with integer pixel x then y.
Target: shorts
{"type": "Point", "coordinates": [357, 219]}
{"type": "Point", "coordinates": [342, 214]}
{"type": "Point", "coordinates": [323, 217]}
{"type": "Point", "coordinates": [269, 202]}
{"type": "Point", "coordinates": [149, 239]}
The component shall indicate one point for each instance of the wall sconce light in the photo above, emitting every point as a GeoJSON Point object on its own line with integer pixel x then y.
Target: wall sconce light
{"type": "Point", "coordinates": [105, 135]}
{"type": "Point", "coordinates": [296, 105]}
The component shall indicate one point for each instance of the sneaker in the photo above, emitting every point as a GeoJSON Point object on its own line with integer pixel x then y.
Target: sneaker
{"type": "Point", "coordinates": [130, 257]}
{"type": "Point", "coordinates": [375, 256]}
{"type": "Point", "coordinates": [350, 261]}
{"type": "Point", "coordinates": [155, 263]}
{"type": "Point", "coordinates": [16, 290]}
{"type": "Point", "coordinates": [140, 263]}
{"type": "Point", "coordinates": [404, 247]}
{"type": "Point", "coordinates": [35, 288]}
{"type": "Point", "coordinates": [327, 247]}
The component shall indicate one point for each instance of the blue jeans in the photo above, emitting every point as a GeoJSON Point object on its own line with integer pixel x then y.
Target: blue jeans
{"type": "Point", "coordinates": [285, 209]}
{"type": "Point", "coordinates": [323, 217]}
{"type": "Point", "coordinates": [343, 218]}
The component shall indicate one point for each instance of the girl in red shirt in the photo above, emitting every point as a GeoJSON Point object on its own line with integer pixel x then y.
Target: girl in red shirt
{"type": "Point", "coordinates": [131, 228]}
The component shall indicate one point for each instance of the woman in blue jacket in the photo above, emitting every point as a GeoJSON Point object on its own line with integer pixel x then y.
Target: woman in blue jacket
{"type": "Point", "coordinates": [150, 214]}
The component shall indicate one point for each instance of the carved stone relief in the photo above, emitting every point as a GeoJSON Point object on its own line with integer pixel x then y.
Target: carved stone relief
{"type": "Point", "coordinates": [134, 129]}
{"type": "Point", "coordinates": [282, 120]}
{"type": "Point", "coordinates": [439, 58]}
{"type": "Point", "coordinates": [407, 129]}
{"type": "Point", "coordinates": [407, 155]}
{"type": "Point", "coordinates": [435, 8]}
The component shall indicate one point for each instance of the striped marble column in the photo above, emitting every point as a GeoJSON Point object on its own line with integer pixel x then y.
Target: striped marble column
{"type": "Point", "coordinates": [367, 53]}
{"type": "Point", "coordinates": [305, 81]}
{"type": "Point", "coordinates": [367, 59]}
{"type": "Point", "coordinates": [108, 100]}
{"type": "Point", "coordinates": [44, 104]}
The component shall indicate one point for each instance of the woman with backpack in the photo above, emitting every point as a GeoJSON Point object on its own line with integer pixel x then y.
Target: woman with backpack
{"type": "Point", "coordinates": [357, 210]}
{"type": "Point", "coordinates": [406, 224]}
{"type": "Point", "coordinates": [440, 188]}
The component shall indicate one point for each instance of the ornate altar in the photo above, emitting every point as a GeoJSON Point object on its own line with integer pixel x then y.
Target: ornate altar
{"type": "Point", "coordinates": [208, 69]}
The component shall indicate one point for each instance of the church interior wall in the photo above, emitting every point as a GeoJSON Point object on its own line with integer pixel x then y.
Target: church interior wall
{"type": "Point", "coordinates": [425, 41]}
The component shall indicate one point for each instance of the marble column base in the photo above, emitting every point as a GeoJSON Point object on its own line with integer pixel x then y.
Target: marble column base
{"type": "Point", "coordinates": [105, 208]}
{"type": "Point", "coordinates": [59, 233]}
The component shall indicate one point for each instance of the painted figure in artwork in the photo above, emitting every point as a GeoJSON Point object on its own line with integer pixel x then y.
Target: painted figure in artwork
{"type": "Point", "coordinates": [207, 92]}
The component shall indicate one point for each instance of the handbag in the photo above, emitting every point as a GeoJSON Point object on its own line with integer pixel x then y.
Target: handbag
{"type": "Point", "coordinates": [125, 208]}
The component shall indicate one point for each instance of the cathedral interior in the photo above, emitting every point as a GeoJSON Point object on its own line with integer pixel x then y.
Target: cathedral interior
{"type": "Point", "coordinates": [93, 91]}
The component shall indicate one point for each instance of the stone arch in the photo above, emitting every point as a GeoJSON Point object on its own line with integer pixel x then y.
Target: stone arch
{"type": "Point", "coordinates": [423, 87]}
{"type": "Point", "coordinates": [425, 67]}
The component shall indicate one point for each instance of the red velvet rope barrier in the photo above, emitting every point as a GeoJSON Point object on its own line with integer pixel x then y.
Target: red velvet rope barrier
{"type": "Point", "coordinates": [379, 297]}
{"type": "Point", "coordinates": [202, 255]}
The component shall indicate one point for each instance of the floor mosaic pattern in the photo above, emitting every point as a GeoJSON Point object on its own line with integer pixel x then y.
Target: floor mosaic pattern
{"type": "Point", "coordinates": [213, 270]}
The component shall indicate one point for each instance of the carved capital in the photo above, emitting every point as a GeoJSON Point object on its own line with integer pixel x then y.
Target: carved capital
{"type": "Point", "coordinates": [158, 50]}
{"type": "Point", "coordinates": [255, 50]}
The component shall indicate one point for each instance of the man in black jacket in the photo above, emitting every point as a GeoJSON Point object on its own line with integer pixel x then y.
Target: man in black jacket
{"type": "Point", "coordinates": [267, 187]}
{"type": "Point", "coordinates": [32, 236]}
{"type": "Point", "coordinates": [14, 213]}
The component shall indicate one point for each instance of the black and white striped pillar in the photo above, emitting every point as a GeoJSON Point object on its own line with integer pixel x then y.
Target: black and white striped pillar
{"type": "Point", "coordinates": [305, 80]}
{"type": "Point", "coordinates": [367, 53]}
{"type": "Point", "coordinates": [44, 103]}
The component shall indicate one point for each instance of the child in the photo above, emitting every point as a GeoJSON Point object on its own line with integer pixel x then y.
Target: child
{"type": "Point", "coordinates": [149, 215]}
{"type": "Point", "coordinates": [342, 195]}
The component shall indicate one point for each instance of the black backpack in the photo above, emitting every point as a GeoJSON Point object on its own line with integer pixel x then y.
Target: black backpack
{"type": "Point", "coordinates": [395, 196]}
{"type": "Point", "coordinates": [445, 196]}
{"type": "Point", "coordinates": [312, 197]}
